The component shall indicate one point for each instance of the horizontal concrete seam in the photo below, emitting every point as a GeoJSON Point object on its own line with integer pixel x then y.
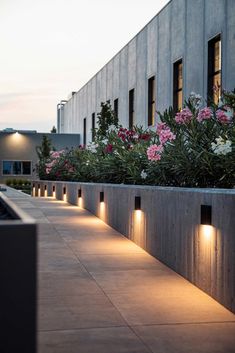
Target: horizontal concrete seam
{"type": "Point", "coordinates": [186, 323]}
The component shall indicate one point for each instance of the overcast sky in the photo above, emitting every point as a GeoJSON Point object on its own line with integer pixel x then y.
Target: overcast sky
{"type": "Point", "coordinates": [49, 48]}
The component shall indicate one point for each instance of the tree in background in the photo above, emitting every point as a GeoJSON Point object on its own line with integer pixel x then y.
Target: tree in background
{"type": "Point", "coordinates": [106, 119]}
{"type": "Point", "coordinates": [53, 130]}
{"type": "Point", "coordinates": [44, 150]}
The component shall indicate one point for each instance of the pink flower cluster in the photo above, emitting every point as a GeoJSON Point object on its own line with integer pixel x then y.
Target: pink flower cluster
{"type": "Point", "coordinates": [223, 117]}
{"type": "Point", "coordinates": [154, 152]}
{"type": "Point", "coordinates": [184, 117]}
{"type": "Point", "coordinates": [109, 148]}
{"type": "Point", "coordinates": [165, 133]}
{"type": "Point", "coordinates": [145, 137]}
{"type": "Point", "coordinates": [68, 166]}
{"type": "Point", "coordinates": [126, 135]}
{"type": "Point", "coordinates": [204, 114]}
{"type": "Point", "coordinates": [56, 154]}
{"type": "Point", "coordinates": [50, 165]}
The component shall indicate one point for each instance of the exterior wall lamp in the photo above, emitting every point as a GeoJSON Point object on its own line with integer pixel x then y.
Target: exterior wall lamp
{"type": "Point", "coordinates": [79, 193]}
{"type": "Point", "coordinates": [137, 203]}
{"type": "Point", "coordinates": [64, 190]}
{"type": "Point", "coordinates": [101, 196]}
{"type": "Point", "coordinates": [206, 212]}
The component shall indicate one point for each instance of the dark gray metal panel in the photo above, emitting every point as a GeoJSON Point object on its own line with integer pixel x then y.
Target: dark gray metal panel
{"type": "Point", "coordinates": [18, 278]}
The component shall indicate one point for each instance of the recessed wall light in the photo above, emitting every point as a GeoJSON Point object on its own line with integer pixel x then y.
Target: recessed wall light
{"type": "Point", "coordinates": [206, 211]}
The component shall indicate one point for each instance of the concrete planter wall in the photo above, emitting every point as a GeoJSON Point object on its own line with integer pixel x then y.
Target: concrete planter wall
{"type": "Point", "coordinates": [168, 227]}
{"type": "Point", "coordinates": [18, 280]}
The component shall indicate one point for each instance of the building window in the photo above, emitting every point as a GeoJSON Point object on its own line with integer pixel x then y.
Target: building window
{"type": "Point", "coordinates": [93, 126]}
{"type": "Point", "coordinates": [115, 103]}
{"type": "Point", "coordinates": [151, 101]}
{"type": "Point", "coordinates": [84, 131]}
{"type": "Point", "coordinates": [178, 86]}
{"type": "Point", "coordinates": [131, 108]}
{"type": "Point", "coordinates": [214, 69]}
{"type": "Point", "coordinates": [16, 168]}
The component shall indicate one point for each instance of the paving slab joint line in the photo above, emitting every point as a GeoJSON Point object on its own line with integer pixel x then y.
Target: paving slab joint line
{"type": "Point", "coordinates": [186, 323]}
{"type": "Point", "coordinates": [84, 328]}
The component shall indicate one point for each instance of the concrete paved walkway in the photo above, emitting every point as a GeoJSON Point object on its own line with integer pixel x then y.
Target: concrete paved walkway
{"type": "Point", "coordinates": [100, 293]}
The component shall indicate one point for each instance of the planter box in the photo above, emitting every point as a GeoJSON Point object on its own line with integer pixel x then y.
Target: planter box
{"type": "Point", "coordinates": [168, 226]}
{"type": "Point", "coordinates": [18, 279]}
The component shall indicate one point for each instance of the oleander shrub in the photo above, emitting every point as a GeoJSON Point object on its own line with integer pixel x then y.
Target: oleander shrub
{"type": "Point", "coordinates": [194, 147]}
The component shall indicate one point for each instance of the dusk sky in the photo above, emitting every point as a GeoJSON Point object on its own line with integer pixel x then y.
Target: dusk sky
{"type": "Point", "coordinates": [50, 48]}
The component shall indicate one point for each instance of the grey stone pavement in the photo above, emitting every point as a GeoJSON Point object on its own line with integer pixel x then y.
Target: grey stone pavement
{"type": "Point", "coordinates": [100, 293]}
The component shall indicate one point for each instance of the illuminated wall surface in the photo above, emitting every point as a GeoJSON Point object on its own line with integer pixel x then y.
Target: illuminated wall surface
{"type": "Point", "coordinates": [19, 146]}
{"type": "Point", "coordinates": [168, 226]}
{"type": "Point", "coordinates": [180, 31]}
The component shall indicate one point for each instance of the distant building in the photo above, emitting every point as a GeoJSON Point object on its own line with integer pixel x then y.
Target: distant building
{"type": "Point", "coordinates": [188, 46]}
{"type": "Point", "coordinates": [18, 155]}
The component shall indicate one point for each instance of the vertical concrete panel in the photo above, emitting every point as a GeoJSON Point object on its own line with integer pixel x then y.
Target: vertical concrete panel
{"type": "Point", "coordinates": [141, 80]}
{"type": "Point", "coordinates": [195, 57]}
{"type": "Point", "coordinates": [109, 80]}
{"type": "Point", "coordinates": [152, 48]}
{"type": "Point", "coordinates": [164, 60]}
{"type": "Point", "coordinates": [89, 110]}
{"type": "Point", "coordinates": [98, 91]}
{"type": "Point", "coordinates": [177, 29]}
{"type": "Point", "coordinates": [116, 70]}
{"type": "Point", "coordinates": [103, 93]}
{"type": "Point", "coordinates": [93, 95]}
{"type": "Point", "coordinates": [79, 112]}
{"type": "Point", "coordinates": [215, 16]}
{"type": "Point", "coordinates": [132, 64]}
{"type": "Point", "coordinates": [123, 81]}
{"type": "Point", "coordinates": [178, 33]}
{"type": "Point", "coordinates": [229, 48]}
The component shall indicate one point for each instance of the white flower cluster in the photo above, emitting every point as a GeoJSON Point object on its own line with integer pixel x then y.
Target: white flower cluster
{"type": "Point", "coordinates": [221, 146]}
{"type": "Point", "coordinates": [195, 99]}
{"type": "Point", "coordinates": [92, 147]}
{"type": "Point", "coordinates": [143, 174]}
{"type": "Point", "coordinates": [112, 128]}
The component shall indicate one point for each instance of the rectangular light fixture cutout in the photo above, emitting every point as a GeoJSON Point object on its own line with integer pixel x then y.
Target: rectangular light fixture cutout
{"type": "Point", "coordinates": [101, 196]}
{"type": "Point", "coordinates": [137, 203]}
{"type": "Point", "coordinates": [53, 188]}
{"type": "Point", "coordinates": [206, 211]}
{"type": "Point", "coordinates": [64, 190]}
{"type": "Point", "coordinates": [39, 186]}
{"type": "Point", "coordinates": [79, 192]}
{"type": "Point", "coordinates": [45, 187]}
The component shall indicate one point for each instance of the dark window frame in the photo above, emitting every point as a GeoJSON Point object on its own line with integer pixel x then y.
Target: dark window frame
{"type": "Point", "coordinates": [131, 107]}
{"type": "Point", "coordinates": [84, 132]}
{"type": "Point", "coordinates": [176, 88]}
{"type": "Point", "coordinates": [211, 72]}
{"type": "Point", "coordinates": [151, 101]}
{"type": "Point", "coordinates": [115, 107]}
{"type": "Point", "coordinates": [12, 161]}
{"type": "Point", "coordinates": [93, 126]}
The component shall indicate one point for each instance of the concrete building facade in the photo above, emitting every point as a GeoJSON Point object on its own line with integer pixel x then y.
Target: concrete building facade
{"type": "Point", "coordinates": [188, 46]}
{"type": "Point", "coordinates": [18, 156]}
